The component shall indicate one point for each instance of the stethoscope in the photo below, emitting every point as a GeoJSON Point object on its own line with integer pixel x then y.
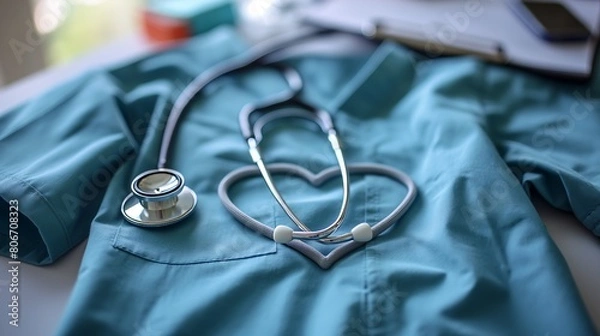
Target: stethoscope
{"type": "Point", "coordinates": [159, 196]}
{"type": "Point", "coordinates": [287, 105]}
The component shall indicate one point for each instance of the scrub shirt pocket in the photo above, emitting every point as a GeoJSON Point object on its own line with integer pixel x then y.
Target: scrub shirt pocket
{"type": "Point", "coordinates": [210, 234]}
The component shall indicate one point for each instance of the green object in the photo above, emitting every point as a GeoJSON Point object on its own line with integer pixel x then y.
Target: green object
{"type": "Point", "coordinates": [471, 256]}
{"type": "Point", "coordinates": [201, 15]}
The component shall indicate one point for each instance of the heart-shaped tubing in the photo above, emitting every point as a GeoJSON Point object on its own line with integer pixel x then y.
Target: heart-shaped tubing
{"type": "Point", "coordinates": [324, 261]}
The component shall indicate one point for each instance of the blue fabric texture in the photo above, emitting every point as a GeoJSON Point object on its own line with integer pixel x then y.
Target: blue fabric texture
{"type": "Point", "coordinates": [471, 257]}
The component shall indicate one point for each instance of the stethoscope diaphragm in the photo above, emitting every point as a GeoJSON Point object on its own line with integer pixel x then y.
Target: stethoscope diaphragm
{"type": "Point", "coordinates": [158, 197]}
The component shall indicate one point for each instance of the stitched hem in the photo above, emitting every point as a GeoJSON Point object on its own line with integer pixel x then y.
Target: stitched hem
{"type": "Point", "coordinates": [23, 194]}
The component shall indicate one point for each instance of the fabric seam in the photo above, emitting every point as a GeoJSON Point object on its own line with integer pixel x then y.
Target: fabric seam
{"type": "Point", "coordinates": [38, 193]}
{"type": "Point", "coordinates": [366, 269]}
{"type": "Point", "coordinates": [116, 244]}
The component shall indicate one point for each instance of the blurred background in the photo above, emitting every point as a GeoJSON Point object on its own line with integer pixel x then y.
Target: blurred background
{"type": "Point", "coordinates": [37, 34]}
{"type": "Point", "coordinates": [88, 34]}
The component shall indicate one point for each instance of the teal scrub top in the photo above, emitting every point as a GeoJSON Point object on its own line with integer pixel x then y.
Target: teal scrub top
{"type": "Point", "coordinates": [470, 257]}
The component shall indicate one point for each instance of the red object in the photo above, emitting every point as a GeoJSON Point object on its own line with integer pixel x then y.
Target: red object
{"type": "Point", "coordinates": [162, 28]}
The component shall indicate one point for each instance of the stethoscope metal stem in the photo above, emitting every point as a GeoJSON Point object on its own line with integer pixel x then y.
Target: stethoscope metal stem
{"type": "Point", "coordinates": [284, 105]}
{"type": "Point", "coordinates": [308, 232]}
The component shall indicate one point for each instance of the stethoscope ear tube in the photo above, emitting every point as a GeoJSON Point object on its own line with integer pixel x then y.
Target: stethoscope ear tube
{"type": "Point", "coordinates": [295, 84]}
{"type": "Point", "coordinates": [307, 232]}
{"type": "Point", "coordinates": [286, 105]}
{"type": "Point", "coordinates": [254, 55]}
{"type": "Point", "coordinates": [289, 112]}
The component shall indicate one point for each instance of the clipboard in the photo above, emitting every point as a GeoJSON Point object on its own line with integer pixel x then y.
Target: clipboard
{"type": "Point", "coordinates": [486, 29]}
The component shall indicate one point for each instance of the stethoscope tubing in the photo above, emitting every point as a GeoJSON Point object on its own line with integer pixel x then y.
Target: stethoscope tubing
{"type": "Point", "coordinates": [247, 59]}
{"type": "Point", "coordinates": [285, 168]}
{"type": "Point", "coordinates": [307, 232]}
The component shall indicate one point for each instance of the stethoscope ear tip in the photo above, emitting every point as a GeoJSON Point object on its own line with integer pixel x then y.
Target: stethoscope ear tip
{"type": "Point", "coordinates": [283, 234]}
{"type": "Point", "coordinates": [362, 232]}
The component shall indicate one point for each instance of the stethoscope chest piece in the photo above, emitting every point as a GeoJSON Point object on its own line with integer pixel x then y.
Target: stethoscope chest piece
{"type": "Point", "coordinates": [158, 197]}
